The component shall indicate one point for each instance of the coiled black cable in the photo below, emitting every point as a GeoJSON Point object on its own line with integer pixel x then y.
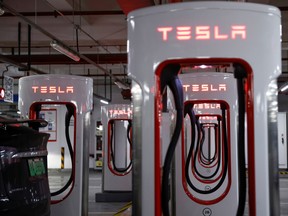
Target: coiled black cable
{"type": "Point", "coordinates": [117, 169]}
{"type": "Point", "coordinates": [129, 127]}
{"type": "Point", "coordinates": [68, 116]}
{"type": "Point", "coordinates": [169, 78]}
{"type": "Point", "coordinates": [240, 74]}
{"type": "Point", "coordinates": [193, 121]}
{"type": "Point", "coordinates": [209, 158]}
{"type": "Point", "coordinates": [200, 142]}
{"type": "Point", "coordinates": [189, 156]}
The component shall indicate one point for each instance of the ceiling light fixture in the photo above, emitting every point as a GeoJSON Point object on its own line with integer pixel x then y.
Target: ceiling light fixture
{"type": "Point", "coordinates": [284, 87]}
{"type": "Point", "coordinates": [64, 50]}
{"type": "Point", "coordinates": [121, 85]}
{"type": "Point", "coordinates": [2, 11]}
{"type": "Point", "coordinates": [104, 101]}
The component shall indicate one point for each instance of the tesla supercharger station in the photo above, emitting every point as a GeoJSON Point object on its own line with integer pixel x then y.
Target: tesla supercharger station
{"type": "Point", "coordinates": [117, 159]}
{"type": "Point", "coordinates": [63, 100]}
{"type": "Point", "coordinates": [206, 163]}
{"type": "Point", "coordinates": [164, 39]}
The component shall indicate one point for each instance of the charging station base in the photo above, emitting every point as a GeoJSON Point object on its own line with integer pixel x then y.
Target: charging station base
{"type": "Point", "coordinates": [114, 196]}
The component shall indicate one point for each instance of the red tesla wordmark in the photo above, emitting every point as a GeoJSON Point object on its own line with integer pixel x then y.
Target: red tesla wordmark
{"type": "Point", "coordinates": [203, 32]}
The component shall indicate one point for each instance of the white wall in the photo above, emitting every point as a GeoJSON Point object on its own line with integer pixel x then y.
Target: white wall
{"type": "Point", "coordinates": [54, 147]}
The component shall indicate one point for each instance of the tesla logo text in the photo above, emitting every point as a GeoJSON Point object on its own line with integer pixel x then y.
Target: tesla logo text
{"type": "Point", "coordinates": [53, 89]}
{"type": "Point", "coordinates": [207, 106]}
{"type": "Point", "coordinates": [204, 87]}
{"type": "Point", "coordinates": [202, 32]}
{"type": "Point", "coordinates": [120, 112]}
{"type": "Point", "coordinates": [208, 118]}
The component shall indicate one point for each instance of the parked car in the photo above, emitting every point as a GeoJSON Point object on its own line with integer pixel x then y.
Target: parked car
{"type": "Point", "coordinates": [24, 188]}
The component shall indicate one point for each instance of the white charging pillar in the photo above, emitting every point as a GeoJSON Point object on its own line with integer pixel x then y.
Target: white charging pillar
{"type": "Point", "coordinates": [117, 155]}
{"type": "Point", "coordinates": [203, 32]}
{"type": "Point", "coordinates": [52, 91]}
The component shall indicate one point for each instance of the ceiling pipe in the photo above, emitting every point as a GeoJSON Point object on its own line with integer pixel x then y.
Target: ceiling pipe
{"type": "Point", "coordinates": [29, 48]}
{"type": "Point", "coordinates": [76, 26]}
{"type": "Point", "coordinates": [19, 38]}
{"type": "Point", "coordinates": [43, 31]}
{"type": "Point", "coordinates": [93, 76]}
{"type": "Point", "coordinates": [4, 59]}
{"type": "Point", "coordinates": [62, 59]}
{"type": "Point", "coordinates": [100, 97]}
{"type": "Point", "coordinates": [67, 13]}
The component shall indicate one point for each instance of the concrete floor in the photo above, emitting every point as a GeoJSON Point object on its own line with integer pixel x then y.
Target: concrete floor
{"type": "Point", "coordinates": [105, 209]}
{"type": "Point", "coordinates": [284, 195]}
{"type": "Point", "coordinates": [58, 178]}
{"type": "Point", "coordinates": [109, 209]}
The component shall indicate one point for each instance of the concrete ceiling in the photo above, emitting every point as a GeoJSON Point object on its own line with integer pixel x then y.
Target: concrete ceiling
{"type": "Point", "coordinates": [95, 29]}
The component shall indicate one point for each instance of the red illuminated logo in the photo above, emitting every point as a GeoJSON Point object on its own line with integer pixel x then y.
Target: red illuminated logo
{"type": "Point", "coordinates": [202, 32]}
{"type": "Point", "coordinates": [204, 87]}
{"type": "Point", "coordinates": [208, 118]}
{"type": "Point", "coordinates": [53, 89]}
{"type": "Point", "coordinates": [120, 112]}
{"type": "Point", "coordinates": [207, 106]}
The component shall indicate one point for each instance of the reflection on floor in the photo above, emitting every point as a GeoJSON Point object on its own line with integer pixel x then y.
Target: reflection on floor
{"type": "Point", "coordinates": [57, 178]}
{"type": "Point", "coordinates": [105, 209]}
